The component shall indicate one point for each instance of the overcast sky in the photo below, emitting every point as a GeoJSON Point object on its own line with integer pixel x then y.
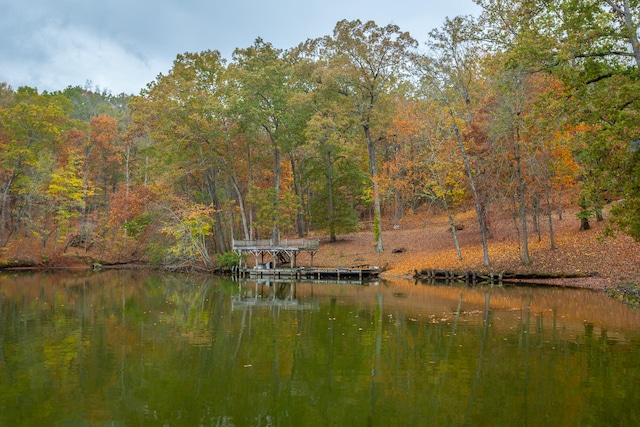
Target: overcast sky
{"type": "Point", "coordinates": [121, 45]}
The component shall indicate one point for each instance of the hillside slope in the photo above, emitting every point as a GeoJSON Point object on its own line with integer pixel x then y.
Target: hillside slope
{"type": "Point", "coordinates": [426, 242]}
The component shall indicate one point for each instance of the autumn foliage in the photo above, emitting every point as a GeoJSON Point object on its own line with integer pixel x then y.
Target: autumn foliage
{"type": "Point", "coordinates": [509, 142]}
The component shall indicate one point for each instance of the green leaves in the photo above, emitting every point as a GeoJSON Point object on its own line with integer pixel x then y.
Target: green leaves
{"type": "Point", "coordinates": [273, 207]}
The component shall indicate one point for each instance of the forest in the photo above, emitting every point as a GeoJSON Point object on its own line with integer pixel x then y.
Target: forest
{"type": "Point", "coordinates": [531, 106]}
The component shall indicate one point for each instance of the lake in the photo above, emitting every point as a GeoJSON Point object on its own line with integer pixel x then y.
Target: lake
{"type": "Point", "coordinates": [129, 348]}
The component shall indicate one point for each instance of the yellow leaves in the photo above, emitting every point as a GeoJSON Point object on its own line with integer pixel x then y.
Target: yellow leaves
{"type": "Point", "coordinates": [67, 176]}
{"type": "Point", "coordinates": [66, 190]}
{"type": "Point", "coordinates": [189, 224]}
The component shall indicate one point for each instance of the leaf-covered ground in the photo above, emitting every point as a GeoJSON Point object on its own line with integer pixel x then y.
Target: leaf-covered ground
{"type": "Point", "coordinates": [425, 242]}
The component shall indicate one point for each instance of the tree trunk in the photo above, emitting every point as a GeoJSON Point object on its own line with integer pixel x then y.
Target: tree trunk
{"type": "Point", "coordinates": [126, 196]}
{"type": "Point", "coordinates": [535, 215]}
{"type": "Point", "coordinates": [217, 223]}
{"type": "Point", "coordinates": [276, 187]}
{"type": "Point", "coordinates": [250, 172]}
{"type": "Point", "coordinates": [300, 220]}
{"type": "Point", "coordinates": [4, 235]}
{"type": "Point", "coordinates": [330, 202]}
{"type": "Point", "coordinates": [476, 197]}
{"type": "Point", "coordinates": [632, 30]}
{"type": "Point", "coordinates": [377, 213]}
{"type": "Point", "coordinates": [398, 210]}
{"type": "Point", "coordinates": [584, 224]}
{"type": "Point", "coordinates": [453, 228]}
{"type": "Point", "coordinates": [521, 191]}
{"type": "Point", "coordinates": [243, 213]}
{"type": "Point", "coordinates": [84, 233]}
{"type": "Point", "coordinates": [550, 218]}
{"type": "Point", "coordinates": [584, 215]}
{"type": "Point", "coordinates": [3, 220]}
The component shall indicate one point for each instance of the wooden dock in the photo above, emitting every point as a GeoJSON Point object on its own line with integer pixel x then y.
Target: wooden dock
{"type": "Point", "coordinates": [338, 273]}
{"type": "Point", "coordinates": [282, 258]}
{"type": "Point", "coordinates": [285, 251]}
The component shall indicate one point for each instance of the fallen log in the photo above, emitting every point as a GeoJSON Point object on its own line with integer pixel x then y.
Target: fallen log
{"type": "Point", "coordinates": [474, 277]}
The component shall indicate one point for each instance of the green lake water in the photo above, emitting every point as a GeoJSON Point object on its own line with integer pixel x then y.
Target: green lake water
{"type": "Point", "coordinates": [122, 348]}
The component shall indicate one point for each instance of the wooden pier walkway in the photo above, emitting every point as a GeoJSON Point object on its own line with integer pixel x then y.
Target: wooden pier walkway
{"type": "Point", "coordinates": [336, 273]}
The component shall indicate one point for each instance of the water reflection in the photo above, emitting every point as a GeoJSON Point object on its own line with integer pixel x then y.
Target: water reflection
{"type": "Point", "coordinates": [130, 348]}
{"type": "Point", "coordinates": [264, 293]}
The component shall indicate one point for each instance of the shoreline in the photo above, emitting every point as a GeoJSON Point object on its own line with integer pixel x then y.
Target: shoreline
{"type": "Point", "coordinates": [587, 282]}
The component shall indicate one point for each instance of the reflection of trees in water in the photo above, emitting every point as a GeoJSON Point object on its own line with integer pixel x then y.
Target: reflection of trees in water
{"type": "Point", "coordinates": [159, 347]}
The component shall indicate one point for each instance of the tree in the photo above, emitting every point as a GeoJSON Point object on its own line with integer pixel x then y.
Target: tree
{"type": "Point", "coordinates": [189, 224]}
{"type": "Point", "coordinates": [330, 157]}
{"type": "Point", "coordinates": [333, 171]}
{"type": "Point", "coordinates": [626, 212]}
{"type": "Point", "coordinates": [439, 171]}
{"type": "Point", "coordinates": [182, 111]}
{"type": "Point", "coordinates": [507, 134]}
{"type": "Point", "coordinates": [101, 159]}
{"type": "Point", "coordinates": [66, 195]}
{"type": "Point", "coordinates": [592, 47]}
{"type": "Point", "coordinates": [451, 75]}
{"type": "Point", "coordinates": [552, 167]}
{"type": "Point", "coordinates": [263, 102]}
{"type": "Point", "coordinates": [30, 130]}
{"type": "Point", "coordinates": [6, 95]}
{"type": "Point", "coordinates": [370, 60]}
{"type": "Point", "coordinates": [399, 151]}
{"type": "Point", "coordinates": [131, 209]}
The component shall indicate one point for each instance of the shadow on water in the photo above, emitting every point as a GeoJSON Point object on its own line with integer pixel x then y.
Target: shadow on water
{"type": "Point", "coordinates": [133, 348]}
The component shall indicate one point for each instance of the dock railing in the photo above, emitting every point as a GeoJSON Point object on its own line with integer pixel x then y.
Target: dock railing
{"type": "Point", "coordinates": [260, 243]}
{"type": "Point", "coordinates": [300, 244]}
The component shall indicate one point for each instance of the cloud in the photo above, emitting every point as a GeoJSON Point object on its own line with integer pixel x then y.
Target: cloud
{"type": "Point", "coordinates": [52, 46]}
{"type": "Point", "coordinates": [61, 57]}
{"type": "Point", "coordinates": [121, 45]}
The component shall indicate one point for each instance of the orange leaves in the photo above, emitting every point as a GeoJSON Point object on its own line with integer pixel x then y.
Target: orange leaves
{"type": "Point", "coordinates": [129, 203]}
{"type": "Point", "coordinates": [407, 122]}
{"type": "Point", "coordinates": [104, 134]}
{"type": "Point", "coordinates": [429, 244]}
